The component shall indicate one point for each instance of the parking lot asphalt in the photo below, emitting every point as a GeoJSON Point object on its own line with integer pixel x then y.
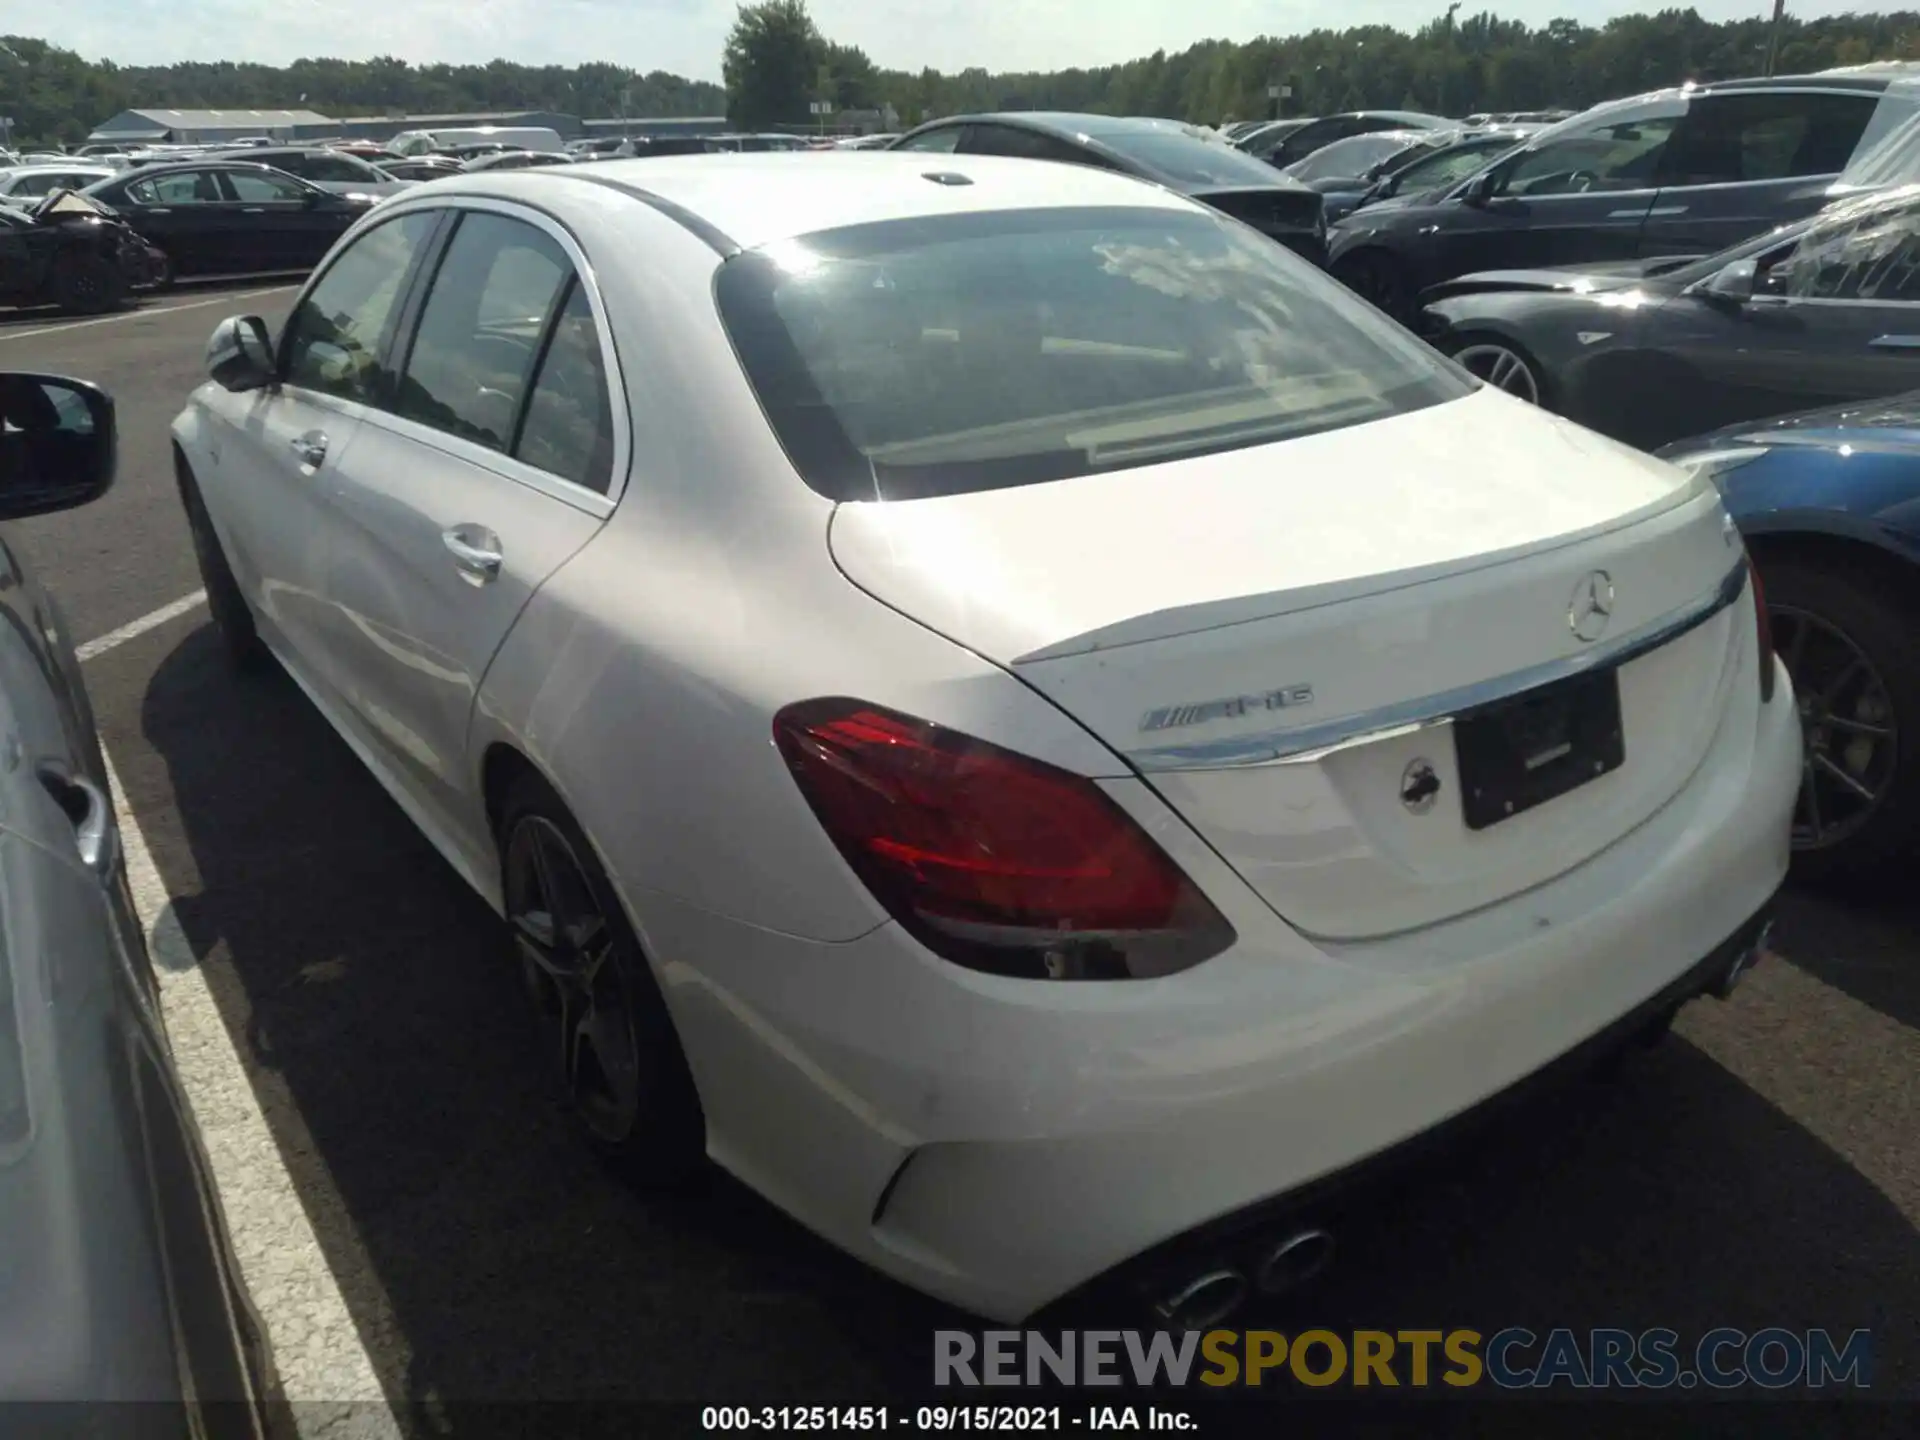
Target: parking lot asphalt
{"type": "Point", "coordinates": [1760, 1168]}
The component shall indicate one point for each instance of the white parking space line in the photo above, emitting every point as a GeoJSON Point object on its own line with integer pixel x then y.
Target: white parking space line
{"type": "Point", "coordinates": [223, 299]}
{"type": "Point", "coordinates": [324, 1366]}
{"type": "Point", "coordinates": [133, 629]}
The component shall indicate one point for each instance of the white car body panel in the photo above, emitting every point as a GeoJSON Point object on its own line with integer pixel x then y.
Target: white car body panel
{"type": "Point", "coordinates": [1027, 1136]}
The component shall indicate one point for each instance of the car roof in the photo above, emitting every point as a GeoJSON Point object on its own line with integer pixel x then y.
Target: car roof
{"type": "Point", "coordinates": [40, 167]}
{"type": "Point", "coordinates": [757, 198]}
{"type": "Point", "coordinates": [1069, 123]}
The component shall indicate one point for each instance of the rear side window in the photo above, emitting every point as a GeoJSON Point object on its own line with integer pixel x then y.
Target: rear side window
{"type": "Point", "coordinates": [568, 428]}
{"type": "Point", "coordinates": [338, 333]}
{"type": "Point", "coordinates": [1766, 135]}
{"type": "Point", "coordinates": [255, 187]}
{"type": "Point", "coordinates": [975, 352]}
{"type": "Point", "coordinates": [1188, 160]}
{"type": "Point", "coordinates": [480, 331]}
{"type": "Point", "coordinates": [942, 142]}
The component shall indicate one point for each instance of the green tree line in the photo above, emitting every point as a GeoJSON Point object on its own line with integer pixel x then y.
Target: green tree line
{"type": "Point", "coordinates": [1454, 66]}
{"type": "Point", "coordinates": [54, 95]}
{"type": "Point", "coordinates": [776, 62]}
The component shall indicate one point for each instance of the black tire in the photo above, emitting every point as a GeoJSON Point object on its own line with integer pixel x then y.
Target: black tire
{"type": "Point", "coordinates": [1382, 281]}
{"type": "Point", "coordinates": [1471, 348]}
{"type": "Point", "coordinates": [637, 1109]}
{"type": "Point", "coordinates": [1820, 610]}
{"type": "Point", "coordinates": [231, 617]}
{"type": "Point", "coordinates": [88, 285]}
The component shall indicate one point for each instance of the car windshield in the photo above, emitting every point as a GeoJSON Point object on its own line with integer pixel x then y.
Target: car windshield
{"type": "Point", "coordinates": [1188, 160]}
{"type": "Point", "coordinates": [964, 353]}
{"type": "Point", "coordinates": [1354, 155]}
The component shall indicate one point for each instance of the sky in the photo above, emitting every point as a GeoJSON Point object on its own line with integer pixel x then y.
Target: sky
{"type": "Point", "coordinates": [685, 36]}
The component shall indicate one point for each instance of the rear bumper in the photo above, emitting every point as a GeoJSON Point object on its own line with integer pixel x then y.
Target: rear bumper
{"type": "Point", "coordinates": [1001, 1143]}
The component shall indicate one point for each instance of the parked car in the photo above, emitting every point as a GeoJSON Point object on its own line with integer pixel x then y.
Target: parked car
{"type": "Point", "coordinates": [27, 185]}
{"type": "Point", "coordinates": [1813, 314]}
{"type": "Point", "coordinates": [906, 902]}
{"type": "Point", "coordinates": [515, 160]}
{"type": "Point", "coordinates": [1686, 171]}
{"type": "Point", "coordinates": [327, 169]}
{"type": "Point", "coordinates": [218, 217]}
{"type": "Point", "coordinates": [1268, 133]}
{"type": "Point", "coordinates": [1283, 150]}
{"type": "Point", "coordinates": [1431, 161]}
{"type": "Point", "coordinates": [1158, 150]}
{"type": "Point", "coordinates": [425, 167]}
{"type": "Point", "coordinates": [122, 1288]}
{"type": "Point", "coordinates": [70, 252]}
{"type": "Point", "coordinates": [1829, 502]}
{"type": "Point", "coordinates": [513, 137]}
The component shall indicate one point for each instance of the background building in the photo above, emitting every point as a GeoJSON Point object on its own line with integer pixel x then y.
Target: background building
{"type": "Point", "coordinates": [151, 127]}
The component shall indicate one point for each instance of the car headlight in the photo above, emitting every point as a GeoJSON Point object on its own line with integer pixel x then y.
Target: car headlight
{"type": "Point", "coordinates": [1716, 464]}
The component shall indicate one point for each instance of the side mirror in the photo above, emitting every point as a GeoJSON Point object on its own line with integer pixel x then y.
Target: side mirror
{"type": "Point", "coordinates": [239, 356]}
{"type": "Point", "coordinates": [58, 444]}
{"type": "Point", "coordinates": [1732, 284]}
{"type": "Point", "coordinates": [1479, 189]}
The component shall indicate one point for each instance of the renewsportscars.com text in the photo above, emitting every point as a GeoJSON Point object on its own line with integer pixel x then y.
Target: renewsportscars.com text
{"type": "Point", "coordinates": [1512, 1359]}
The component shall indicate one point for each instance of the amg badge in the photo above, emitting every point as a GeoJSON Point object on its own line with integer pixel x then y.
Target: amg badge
{"type": "Point", "coordinates": [1175, 717]}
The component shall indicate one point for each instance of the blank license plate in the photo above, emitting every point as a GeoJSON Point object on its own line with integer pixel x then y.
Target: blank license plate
{"type": "Point", "coordinates": [1536, 747]}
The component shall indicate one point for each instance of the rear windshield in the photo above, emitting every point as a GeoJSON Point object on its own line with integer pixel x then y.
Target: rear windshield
{"type": "Point", "coordinates": [1188, 160]}
{"type": "Point", "coordinates": [962, 353]}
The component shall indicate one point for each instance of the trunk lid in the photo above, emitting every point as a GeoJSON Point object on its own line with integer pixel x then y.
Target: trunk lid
{"type": "Point", "coordinates": [1276, 636]}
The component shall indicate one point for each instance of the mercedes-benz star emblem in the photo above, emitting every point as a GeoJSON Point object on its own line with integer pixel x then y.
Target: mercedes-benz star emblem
{"type": "Point", "coordinates": [1419, 786]}
{"type": "Point", "coordinates": [1591, 609]}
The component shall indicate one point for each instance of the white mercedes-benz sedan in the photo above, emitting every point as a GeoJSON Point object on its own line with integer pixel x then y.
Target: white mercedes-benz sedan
{"type": "Point", "coordinates": [997, 704]}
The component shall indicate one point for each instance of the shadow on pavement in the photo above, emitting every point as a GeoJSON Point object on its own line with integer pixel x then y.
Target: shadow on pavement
{"type": "Point", "coordinates": [1862, 943]}
{"type": "Point", "coordinates": [371, 996]}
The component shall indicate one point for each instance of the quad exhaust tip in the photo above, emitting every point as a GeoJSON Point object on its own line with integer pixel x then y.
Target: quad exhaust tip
{"type": "Point", "coordinates": [1743, 962]}
{"type": "Point", "coordinates": [1204, 1301]}
{"type": "Point", "coordinates": [1294, 1261]}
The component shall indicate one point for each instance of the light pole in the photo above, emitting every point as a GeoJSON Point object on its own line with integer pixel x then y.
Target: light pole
{"type": "Point", "coordinates": [1773, 39]}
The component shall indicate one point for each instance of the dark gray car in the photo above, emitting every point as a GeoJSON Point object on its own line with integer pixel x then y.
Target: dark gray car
{"type": "Point", "coordinates": [1650, 351]}
{"type": "Point", "coordinates": [117, 1282]}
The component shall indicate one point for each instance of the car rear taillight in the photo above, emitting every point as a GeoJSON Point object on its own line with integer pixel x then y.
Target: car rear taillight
{"type": "Point", "coordinates": [1763, 630]}
{"type": "Point", "coordinates": [993, 860]}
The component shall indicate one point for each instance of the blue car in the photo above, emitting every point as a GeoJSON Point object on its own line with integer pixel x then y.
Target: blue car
{"type": "Point", "coordinates": [1829, 502]}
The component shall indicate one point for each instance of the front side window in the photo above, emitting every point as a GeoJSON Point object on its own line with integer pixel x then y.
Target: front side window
{"type": "Point", "coordinates": [339, 331]}
{"type": "Point", "coordinates": [943, 141]}
{"type": "Point", "coordinates": [481, 328]}
{"type": "Point", "coordinates": [1869, 256]}
{"type": "Point", "coordinates": [254, 187]}
{"type": "Point", "coordinates": [976, 352]}
{"type": "Point", "coordinates": [1622, 156]}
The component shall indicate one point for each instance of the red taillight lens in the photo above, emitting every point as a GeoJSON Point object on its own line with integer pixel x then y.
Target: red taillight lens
{"type": "Point", "coordinates": [1763, 630]}
{"type": "Point", "coordinates": [991, 859]}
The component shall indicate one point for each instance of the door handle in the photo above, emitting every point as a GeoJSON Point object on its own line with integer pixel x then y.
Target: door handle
{"type": "Point", "coordinates": [1895, 342]}
{"type": "Point", "coordinates": [91, 813]}
{"type": "Point", "coordinates": [159, 210]}
{"type": "Point", "coordinates": [476, 553]}
{"type": "Point", "coordinates": [310, 447]}
{"type": "Point", "coordinates": [254, 210]}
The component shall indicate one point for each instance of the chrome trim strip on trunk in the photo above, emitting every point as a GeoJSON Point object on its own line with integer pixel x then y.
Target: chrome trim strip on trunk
{"type": "Point", "coordinates": [1305, 744]}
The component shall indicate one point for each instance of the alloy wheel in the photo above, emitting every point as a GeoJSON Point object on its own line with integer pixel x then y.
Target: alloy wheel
{"type": "Point", "coordinates": [1849, 732]}
{"type": "Point", "coordinates": [567, 958]}
{"type": "Point", "coordinates": [1502, 369]}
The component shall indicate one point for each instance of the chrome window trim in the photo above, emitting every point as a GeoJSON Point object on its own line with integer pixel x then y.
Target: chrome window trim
{"type": "Point", "coordinates": [498, 461]}
{"type": "Point", "coordinates": [1307, 744]}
